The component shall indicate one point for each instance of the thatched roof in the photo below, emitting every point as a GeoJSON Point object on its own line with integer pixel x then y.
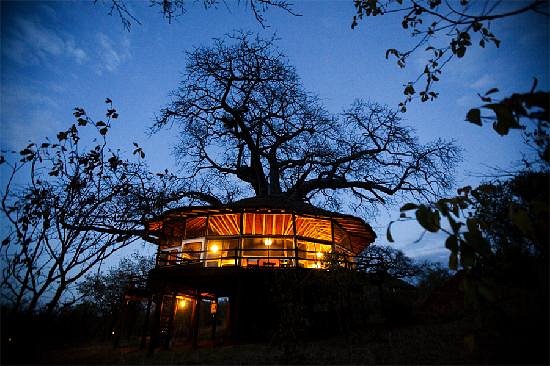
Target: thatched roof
{"type": "Point", "coordinates": [361, 233]}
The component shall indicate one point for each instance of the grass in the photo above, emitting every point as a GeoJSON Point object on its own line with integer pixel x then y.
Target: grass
{"type": "Point", "coordinates": [426, 344]}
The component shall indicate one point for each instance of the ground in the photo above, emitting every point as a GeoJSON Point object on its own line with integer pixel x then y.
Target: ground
{"type": "Point", "coordinates": [442, 343]}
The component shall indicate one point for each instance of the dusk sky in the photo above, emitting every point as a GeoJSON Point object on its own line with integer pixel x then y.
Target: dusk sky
{"type": "Point", "coordinates": [59, 55]}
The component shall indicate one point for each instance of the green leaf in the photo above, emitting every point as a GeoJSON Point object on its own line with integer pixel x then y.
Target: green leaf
{"type": "Point", "coordinates": [467, 255]}
{"type": "Point", "coordinates": [478, 243]}
{"type": "Point", "coordinates": [505, 118]}
{"type": "Point", "coordinates": [408, 206]}
{"type": "Point", "coordinates": [474, 116]}
{"type": "Point", "coordinates": [62, 136]}
{"type": "Point", "coordinates": [443, 207]}
{"type": "Point", "coordinates": [391, 51]}
{"type": "Point", "coordinates": [388, 233]}
{"type": "Point", "coordinates": [428, 219]}
{"type": "Point", "coordinates": [491, 91]}
{"type": "Point", "coordinates": [452, 243]}
{"type": "Point", "coordinates": [409, 90]}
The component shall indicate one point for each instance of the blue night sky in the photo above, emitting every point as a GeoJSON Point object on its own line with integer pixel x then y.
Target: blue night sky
{"type": "Point", "coordinates": [59, 55]}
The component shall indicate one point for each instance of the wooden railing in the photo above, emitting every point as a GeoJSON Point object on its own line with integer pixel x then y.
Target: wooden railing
{"type": "Point", "coordinates": [254, 258]}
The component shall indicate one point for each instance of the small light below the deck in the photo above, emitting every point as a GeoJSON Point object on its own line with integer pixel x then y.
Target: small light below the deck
{"type": "Point", "coordinates": [113, 332]}
{"type": "Point", "coordinates": [267, 242]}
{"type": "Point", "coordinates": [214, 248]}
{"type": "Point", "coordinates": [182, 304]}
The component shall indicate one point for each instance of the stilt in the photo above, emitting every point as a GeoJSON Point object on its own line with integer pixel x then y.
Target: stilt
{"type": "Point", "coordinates": [196, 316]}
{"type": "Point", "coordinates": [153, 342]}
{"type": "Point", "coordinates": [170, 326]}
{"type": "Point", "coordinates": [145, 328]}
{"type": "Point", "coordinates": [213, 313]}
{"type": "Point", "coordinates": [190, 320]}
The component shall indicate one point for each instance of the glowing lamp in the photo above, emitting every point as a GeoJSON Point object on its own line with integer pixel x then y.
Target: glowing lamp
{"type": "Point", "coordinates": [182, 303]}
{"type": "Point", "coordinates": [319, 254]}
{"type": "Point", "coordinates": [214, 248]}
{"type": "Point", "coordinates": [267, 242]}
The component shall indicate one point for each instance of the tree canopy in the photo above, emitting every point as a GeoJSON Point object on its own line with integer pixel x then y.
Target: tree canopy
{"type": "Point", "coordinates": [69, 204]}
{"type": "Point", "coordinates": [248, 125]}
{"type": "Point", "coordinates": [444, 30]}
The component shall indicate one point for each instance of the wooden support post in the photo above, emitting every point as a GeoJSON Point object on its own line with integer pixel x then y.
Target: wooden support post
{"type": "Point", "coordinates": [170, 333]}
{"type": "Point", "coordinates": [196, 316]}
{"type": "Point", "coordinates": [153, 342]}
{"type": "Point", "coordinates": [190, 322]}
{"type": "Point", "coordinates": [213, 314]}
{"type": "Point", "coordinates": [296, 252]}
{"type": "Point", "coordinates": [241, 240]}
{"type": "Point", "coordinates": [145, 328]}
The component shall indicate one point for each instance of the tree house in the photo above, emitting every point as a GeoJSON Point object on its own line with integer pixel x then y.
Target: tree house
{"type": "Point", "coordinates": [235, 252]}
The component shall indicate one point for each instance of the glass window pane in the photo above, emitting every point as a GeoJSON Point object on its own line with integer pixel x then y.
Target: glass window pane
{"type": "Point", "coordinates": [191, 250]}
{"type": "Point", "coordinates": [312, 255]}
{"type": "Point", "coordinates": [221, 253]}
{"type": "Point", "coordinates": [254, 247]}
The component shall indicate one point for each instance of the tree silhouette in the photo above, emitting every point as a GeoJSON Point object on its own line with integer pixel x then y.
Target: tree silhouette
{"type": "Point", "coordinates": [68, 207]}
{"type": "Point", "coordinates": [104, 292]}
{"type": "Point", "coordinates": [444, 30]}
{"type": "Point", "coordinates": [172, 9]}
{"type": "Point", "coordinates": [246, 122]}
{"type": "Point", "coordinates": [386, 261]}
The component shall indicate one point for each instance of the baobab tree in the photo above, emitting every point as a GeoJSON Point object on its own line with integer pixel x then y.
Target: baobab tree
{"type": "Point", "coordinates": [244, 117]}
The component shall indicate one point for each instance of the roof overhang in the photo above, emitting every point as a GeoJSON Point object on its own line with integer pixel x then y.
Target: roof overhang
{"type": "Point", "coordinates": [360, 233]}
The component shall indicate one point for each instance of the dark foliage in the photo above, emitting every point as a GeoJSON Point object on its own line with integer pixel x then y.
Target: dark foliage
{"type": "Point", "coordinates": [68, 206]}
{"type": "Point", "coordinates": [104, 292]}
{"type": "Point", "coordinates": [444, 30]}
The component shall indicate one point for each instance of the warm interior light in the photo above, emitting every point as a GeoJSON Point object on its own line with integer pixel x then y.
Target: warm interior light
{"type": "Point", "coordinates": [319, 254]}
{"type": "Point", "coordinates": [267, 242]}
{"type": "Point", "coordinates": [181, 303]}
{"type": "Point", "coordinates": [214, 248]}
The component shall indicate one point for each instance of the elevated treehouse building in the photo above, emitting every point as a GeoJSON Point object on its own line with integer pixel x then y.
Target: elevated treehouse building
{"type": "Point", "coordinates": [239, 252]}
